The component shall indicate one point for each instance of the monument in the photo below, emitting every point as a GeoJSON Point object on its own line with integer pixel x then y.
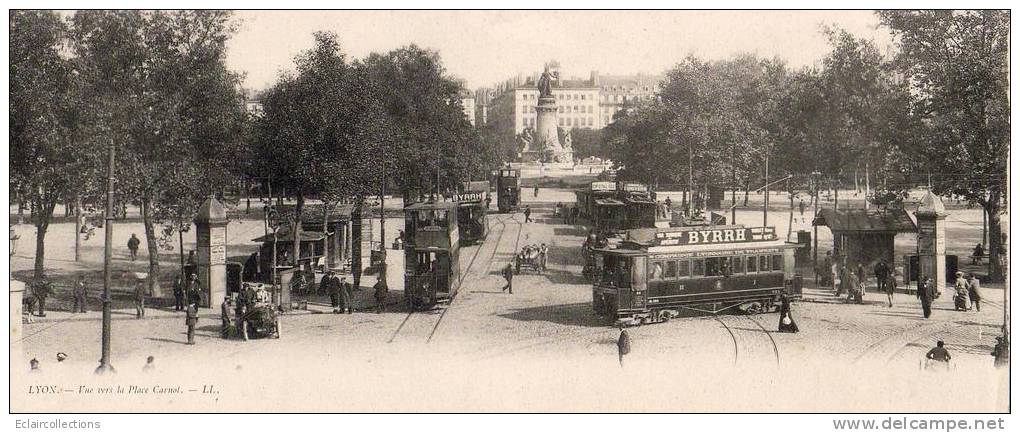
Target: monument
{"type": "Point", "coordinates": [543, 144]}
{"type": "Point", "coordinates": [211, 237]}
{"type": "Point", "coordinates": [931, 239]}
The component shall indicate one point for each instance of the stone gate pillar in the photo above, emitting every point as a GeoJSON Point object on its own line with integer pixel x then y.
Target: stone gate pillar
{"type": "Point", "coordinates": [211, 237]}
{"type": "Point", "coordinates": [931, 239]}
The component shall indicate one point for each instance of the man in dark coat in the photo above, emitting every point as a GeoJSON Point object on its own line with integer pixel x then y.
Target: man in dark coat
{"type": "Point", "coordinates": [41, 290]}
{"type": "Point", "coordinates": [179, 292]}
{"type": "Point", "coordinates": [225, 317]}
{"type": "Point", "coordinates": [940, 355]}
{"type": "Point", "coordinates": [140, 298]}
{"type": "Point", "coordinates": [508, 275]}
{"type": "Point", "coordinates": [574, 213]}
{"type": "Point", "coordinates": [346, 295]}
{"type": "Point", "coordinates": [381, 291]}
{"type": "Point", "coordinates": [194, 291]}
{"type": "Point", "coordinates": [527, 213]}
{"type": "Point", "coordinates": [332, 287]}
{"type": "Point", "coordinates": [623, 344]}
{"type": "Point", "coordinates": [786, 322]}
{"type": "Point", "coordinates": [191, 320]}
{"type": "Point", "coordinates": [881, 274]}
{"type": "Point", "coordinates": [132, 245]}
{"type": "Point", "coordinates": [926, 293]}
{"type": "Point", "coordinates": [80, 295]}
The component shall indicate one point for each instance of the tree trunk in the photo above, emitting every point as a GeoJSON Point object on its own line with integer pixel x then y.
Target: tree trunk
{"type": "Point", "coordinates": [77, 229]}
{"type": "Point", "coordinates": [996, 239]}
{"type": "Point", "coordinates": [151, 243]}
{"type": "Point", "coordinates": [296, 228]}
{"type": "Point", "coordinates": [42, 223]}
{"type": "Point", "coordinates": [747, 191]}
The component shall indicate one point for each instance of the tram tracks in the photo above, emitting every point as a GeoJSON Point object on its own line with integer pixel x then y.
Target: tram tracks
{"type": "Point", "coordinates": [444, 309]}
{"type": "Point", "coordinates": [739, 342]}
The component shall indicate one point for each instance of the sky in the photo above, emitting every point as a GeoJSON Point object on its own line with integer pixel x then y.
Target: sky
{"type": "Point", "coordinates": [485, 47]}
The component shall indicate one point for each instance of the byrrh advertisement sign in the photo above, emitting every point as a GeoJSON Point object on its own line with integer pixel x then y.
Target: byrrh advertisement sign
{"type": "Point", "coordinates": [716, 236]}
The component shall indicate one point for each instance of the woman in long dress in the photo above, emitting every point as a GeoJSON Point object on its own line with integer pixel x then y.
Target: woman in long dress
{"type": "Point", "coordinates": [786, 323]}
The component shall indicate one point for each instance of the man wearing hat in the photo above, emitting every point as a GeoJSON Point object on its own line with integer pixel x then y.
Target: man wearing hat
{"type": "Point", "coordinates": [623, 344]}
{"type": "Point", "coordinates": [332, 286]}
{"type": "Point", "coordinates": [346, 295]}
{"type": "Point", "coordinates": [33, 366]}
{"type": "Point", "coordinates": [974, 291]}
{"type": "Point", "coordinates": [191, 319]}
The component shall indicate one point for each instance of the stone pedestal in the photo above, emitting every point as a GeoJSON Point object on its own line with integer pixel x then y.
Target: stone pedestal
{"type": "Point", "coordinates": [211, 237]}
{"type": "Point", "coordinates": [931, 239]}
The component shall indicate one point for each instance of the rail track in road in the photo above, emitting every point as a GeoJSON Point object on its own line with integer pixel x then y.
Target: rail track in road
{"type": "Point", "coordinates": [740, 342]}
{"type": "Point", "coordinates": [440, 313]}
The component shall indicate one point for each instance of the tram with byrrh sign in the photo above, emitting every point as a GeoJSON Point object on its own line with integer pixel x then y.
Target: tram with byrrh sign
{"type": "Point", "coordinates": [508, 190]}
{"type": "Point", "coordinates": [431, 253]}
{"type": "Point", "coordinates": [654, 274]}
{"type": "Point", "coordinates": [472, 216]}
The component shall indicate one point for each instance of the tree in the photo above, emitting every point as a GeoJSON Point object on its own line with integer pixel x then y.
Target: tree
{"type": "Point", "coordinates": [51, 156]}
{"type": "Point", "coordinates": [957, 63]}
{"type": "Point", "coordinates": [171, 107]}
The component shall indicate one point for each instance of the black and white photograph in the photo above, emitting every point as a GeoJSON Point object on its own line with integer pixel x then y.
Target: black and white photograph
{"type": "Point", "coordinates": [272, 211]}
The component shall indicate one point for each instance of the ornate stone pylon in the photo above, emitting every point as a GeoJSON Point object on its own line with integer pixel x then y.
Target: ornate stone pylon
{"type": "Point", "coordinates": [931, 239]}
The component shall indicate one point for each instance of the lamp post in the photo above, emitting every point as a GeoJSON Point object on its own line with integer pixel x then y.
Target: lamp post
{"type": "Point", "coordinates": [272, 221]}
{"type": "Point", "coordinates": [104, 362]}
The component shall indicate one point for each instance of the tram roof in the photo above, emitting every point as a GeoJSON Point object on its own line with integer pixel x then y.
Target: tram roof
{"type": "Point", "coordinates": [306, 236]}
{"type": "Point", "coordinates": [608, 202]}
{"type": "Point", "coordinates": [432, 205]}
{"type": "Point", "coordinates": [636, 250]}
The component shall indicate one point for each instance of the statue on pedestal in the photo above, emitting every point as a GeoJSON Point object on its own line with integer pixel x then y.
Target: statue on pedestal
{"type": "Point", "coordinates": [545, 84]}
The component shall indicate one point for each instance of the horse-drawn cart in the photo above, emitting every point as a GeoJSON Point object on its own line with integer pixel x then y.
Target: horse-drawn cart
{"type": "Point", "coordinates": [531, 257]}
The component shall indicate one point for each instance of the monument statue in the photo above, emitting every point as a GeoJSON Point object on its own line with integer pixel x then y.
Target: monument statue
{"type": "Point", "coordinates": [545, 84]}
{"type": "Point", "coordinates": [567, 141]}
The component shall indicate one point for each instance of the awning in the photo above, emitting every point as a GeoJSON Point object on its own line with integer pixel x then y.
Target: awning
{"type": "Point", "coordinates": [865, 220]}
{"type": "Point", "coordinates": [306, 236]}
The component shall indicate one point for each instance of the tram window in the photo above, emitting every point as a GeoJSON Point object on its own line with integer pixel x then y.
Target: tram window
{"type": "Point", "coordinates": [699, 268]}
{"type": "Point", "coordinates": [655, 271]}
{"type": "Point", "coordinates": [684, 268]}
{"type": "Point", "coordinates": [712, 267]}
{"type": "Point", "coordinates": [440, 217]}
{"type": "Point", "coordinates": [763, 263]}
{"type": "Point", "coordinates": [777, 262]}
{"type": "Point", "coordinates": [670, 270]}
{"type": "Point", "coordinates": [724, 266]}
{"type": "Point", "coordinates": [752, 264]}
{"type": "Point", "coordinates": [738, 265]}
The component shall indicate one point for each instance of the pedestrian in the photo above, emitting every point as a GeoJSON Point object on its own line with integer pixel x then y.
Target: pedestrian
{"type": "Point", "coordinates": [140, 298]}
{"type": "Point", "coordinates": [347, 295]}
{"type": "Point", "coordinates": [623, 344]}
{"type": "Point", "coordinates": [179, 292]}
{"type": "Point", "coordinates": [940, 355]}
{"type": "Point", "coordinates": [855, 289]}
{"type": "Point", "coordinates": [961, 300]}
{"type": "Point", "coordinates": [132, 245]}
{"type": "Point", "coordinates": [574, 213]}
{"type": "Point", "coordinates": [191, 265]}
{"type": "Point", "coordinates": [194, 295]}
{"type": "Point", "coordinates": [844, 280]}
{"type": "Point", "coordinates": [33, 366]}
{"type": "Point", "coordinates": [150, 365]}
{"type": "Point", "coordinates": [926, 293]}
{"type": "Point", "coordinates": [191, 320]}
{"type": "Point", "coordinates": [80, 295]}
{"type": "Point", "coordinates": [543, 256]}
{"type": "Point", "coordinates": [536, 190]}
{"type": "Point", "coordinates": [527, 213]}
{"type": "Point", "coordinates": [381, 291]}
{"type": "Point", "coordinates": [974, 291]}
{"type": "Point", "coordinates": [332, 287]}
{"type": "Point", "coordinates": [1001, 352]}
{"type": "Point", "coordinates": [225, 317]}
{"type": "Point", "coordinates": [41, 289]}
{"type": "Point", "coordinates": [786, 322]}
{"type": "Point", "coordinates": [861, 273]}
{"type": "Point", "coordinates": [800, 206]}
{"type": "Point", "coordinates": [881, 272]}
{"type": "Point", "coordinates": [890, 287]}
{"type": "Point", "coordinates": [669, 203]}
{"type": "Point", "coordinates": [508, 275]}
{"type": "Point", "coordinates": [979, 253]}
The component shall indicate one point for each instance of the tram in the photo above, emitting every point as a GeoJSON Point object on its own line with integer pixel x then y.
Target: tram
{"type": "Point", "coordinates": [586, 198]}
{"type": "Point", "coordinates": [431, 254]}
{"type": "Point", "coordinates": [508, 189]}
{"type": "Point", "coordinates": [653, 274]}
{"type": "Point", "coordinates": [615, 206]}
{"type": "Point", "coordinates": [472, 217]}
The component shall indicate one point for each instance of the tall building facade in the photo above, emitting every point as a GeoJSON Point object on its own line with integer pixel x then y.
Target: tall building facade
{"type": "Point", "coordinates": [511, 106]}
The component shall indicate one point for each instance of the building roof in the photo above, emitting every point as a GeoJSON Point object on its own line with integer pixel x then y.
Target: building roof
{"type": "Point", "coordinates": [865, 220]}
{"type": "Point", "coordinates": [931, 204]}
{"type": "Point", "coordinates": [306, 236]}
{"type": "Point", "coordinates": [211, 211]}
{"type": "Point", "coordinates": [312, 213]}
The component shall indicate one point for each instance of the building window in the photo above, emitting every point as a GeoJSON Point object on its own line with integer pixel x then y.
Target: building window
{"type": "Point", "coordinates": [582, 97]}
{"type": "Point", "coordinates": [561, 122]}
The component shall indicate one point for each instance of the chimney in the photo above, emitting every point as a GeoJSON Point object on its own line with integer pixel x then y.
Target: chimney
{"type": "Point", "coordinates": [594, 78]}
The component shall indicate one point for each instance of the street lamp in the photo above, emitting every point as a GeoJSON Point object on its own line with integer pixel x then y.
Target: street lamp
{"type": "Point", "coordinates": [104, 362]}
{"type": "Point", "coordinates": [273, 222]}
